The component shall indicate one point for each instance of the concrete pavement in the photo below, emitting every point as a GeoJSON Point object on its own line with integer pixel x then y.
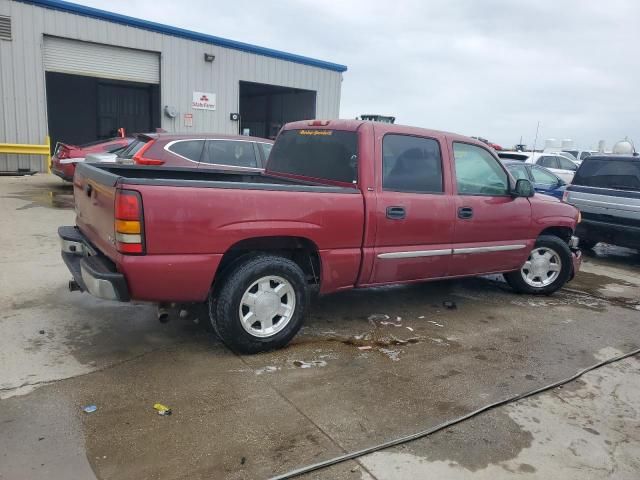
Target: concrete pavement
{"type": "Point", "coordinates": [256, 416]}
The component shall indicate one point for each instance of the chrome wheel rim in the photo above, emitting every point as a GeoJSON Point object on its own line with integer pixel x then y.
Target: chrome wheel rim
{"type": "Point", "coordinates": [267, 306]}
{"type": "Point", "coordinates": [542, 267]}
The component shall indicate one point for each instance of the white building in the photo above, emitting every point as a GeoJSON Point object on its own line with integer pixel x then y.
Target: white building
{"type": "Point", "coordinates": [78, 74]}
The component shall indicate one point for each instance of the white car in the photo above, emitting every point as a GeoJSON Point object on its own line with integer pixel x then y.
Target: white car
{"type": "Point", "coordinates": [558, 163]}
{"type": "Point", "coordinates": [580, 155]}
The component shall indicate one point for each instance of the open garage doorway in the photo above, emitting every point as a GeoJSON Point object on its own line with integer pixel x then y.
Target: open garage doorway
{"type": "Point", "coordinates": [265, 108]}
{"type": "Point", "coordinates": [83, 109]}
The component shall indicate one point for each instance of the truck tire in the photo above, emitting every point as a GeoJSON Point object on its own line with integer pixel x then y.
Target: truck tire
{"type": "Point", "coordinates": [260, 305]}
{"type": "Point", "coordinates": [546, 270]}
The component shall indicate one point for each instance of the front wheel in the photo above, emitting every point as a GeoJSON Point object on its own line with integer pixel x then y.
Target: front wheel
{"type": "Point", "coordinates": [261, 304]}
{"type": "Point", "coordinates": [546, 270]}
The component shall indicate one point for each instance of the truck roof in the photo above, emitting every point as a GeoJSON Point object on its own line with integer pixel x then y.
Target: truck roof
{"type": "Point", "coordinates": [353, 125]}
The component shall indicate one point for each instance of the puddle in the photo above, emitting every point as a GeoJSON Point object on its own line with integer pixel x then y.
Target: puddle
{"type": "Point", "coordinates": [59, 198]}
{"type": "Point", "coordinates": [563, 299]}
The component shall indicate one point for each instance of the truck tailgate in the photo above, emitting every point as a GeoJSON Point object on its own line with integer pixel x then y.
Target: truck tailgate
{"type": "Point", "coordinates": [94, 197]}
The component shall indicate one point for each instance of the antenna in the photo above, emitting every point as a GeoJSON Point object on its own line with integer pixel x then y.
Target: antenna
{"type": "Point", "coordinates": [536, 139]}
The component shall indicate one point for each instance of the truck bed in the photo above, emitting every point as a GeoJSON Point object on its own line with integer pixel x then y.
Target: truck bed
{"type": "Point", "coordinates": [111, 175]}
{"type": "Point", "coordinates": [192, 218]}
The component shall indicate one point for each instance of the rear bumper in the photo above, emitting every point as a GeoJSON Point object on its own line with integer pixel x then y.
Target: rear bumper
{"type": "Point", "coordinates": [92, 271]}
{"type": "Point", "coordinates": [63, 170]}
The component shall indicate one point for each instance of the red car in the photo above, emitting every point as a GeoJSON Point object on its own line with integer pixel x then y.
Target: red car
{"type": "Point", "coordinates": [342, 204]}
{"type": "Point", "coordinates": [65, 157]}
{"type": "Point", "coordinates": [211, 151]}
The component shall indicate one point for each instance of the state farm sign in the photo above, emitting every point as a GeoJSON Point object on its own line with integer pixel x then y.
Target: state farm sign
{"type": "Point", "coordinates": [204, 101]}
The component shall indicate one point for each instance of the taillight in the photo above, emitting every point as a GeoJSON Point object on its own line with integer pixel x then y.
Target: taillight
{"type": "Point", "coordinates": [62, 153]}
{"type": "Point", "coordinates": [128, 222]}
{"type": "Point", "coordinates": [139, 158]}
{"type": "Point", "coordinates": [565, 196]}
{"type": "Point", "coordinates": [318, 123]}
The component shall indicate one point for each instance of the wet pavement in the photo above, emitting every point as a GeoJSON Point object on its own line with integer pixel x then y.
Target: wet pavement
{"type": "Point", "coordinates": [368, 366]}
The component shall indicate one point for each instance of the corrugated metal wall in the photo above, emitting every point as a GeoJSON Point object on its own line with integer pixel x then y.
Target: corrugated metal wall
{"type": "Point", "coordinates": [183, 70]}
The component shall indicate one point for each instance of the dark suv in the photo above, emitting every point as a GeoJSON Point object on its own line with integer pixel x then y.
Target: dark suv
{"type": "Point", "coordinates": [606, 189]}
{"type": "Point", "coordinates": [218, 152]}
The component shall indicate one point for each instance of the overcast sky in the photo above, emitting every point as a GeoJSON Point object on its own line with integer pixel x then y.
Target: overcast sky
{"type": "Point", "coordinates": [491, 68]}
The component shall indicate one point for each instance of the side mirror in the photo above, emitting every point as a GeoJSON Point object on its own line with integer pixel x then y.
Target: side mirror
{"type": "Point", "coordinates": [524, 188]}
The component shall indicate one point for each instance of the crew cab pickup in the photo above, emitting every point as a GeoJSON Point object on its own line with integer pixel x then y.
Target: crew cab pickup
{"type": "Point", "coordinates": [342, 204]}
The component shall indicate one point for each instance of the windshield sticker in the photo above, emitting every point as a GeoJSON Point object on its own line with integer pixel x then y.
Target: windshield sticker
{"type": "Point", "coordinates": [315, 132]}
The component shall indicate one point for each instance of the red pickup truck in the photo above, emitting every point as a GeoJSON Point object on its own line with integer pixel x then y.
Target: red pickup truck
{"type": "Point", "coordinates": [342, 204]}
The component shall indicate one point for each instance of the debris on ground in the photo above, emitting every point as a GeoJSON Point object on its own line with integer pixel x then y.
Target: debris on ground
{"type": "Point", "coordinates": [90, 409]}
{"type": "Point", "coordinates": [365, 347]}
{"type": "Point", "coordinates": [391, 323]}
{"type": "Point", "coordinates": [41, 332]}
{"type": "Point", "coordinates": [436, 323]}
{"type": "Point", "coordinates": [421, 317]}
{"type": "Point", "coordinates": [394, 355]}
{"type": "Point", "coordinates": [311, 364]}
{"type": "Point", "coordinates": [267, 369]}
{"type": "Point", "coordinates": [403, 341]}
{"type": "Point", "coordinates": [409, 328]}
{"type": "Point", "coordinates": [243, 460]}
{"type": "Point", "coordinates": [449, 305]}
{"type": "Point", "coordinates": [378, 317]}
{"type": "Point", "coordinates": [162, 409]}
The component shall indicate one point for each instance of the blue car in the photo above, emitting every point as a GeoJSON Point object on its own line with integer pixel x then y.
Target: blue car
{"type": "Point", "coordinates": [543, 180]}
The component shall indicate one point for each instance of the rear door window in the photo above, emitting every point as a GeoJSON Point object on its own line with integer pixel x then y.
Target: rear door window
{"type": "Point", "coordinates": [566, 164]}
{"type": "Point", "coordinates": [317, 153]}
{"type": "Point", "coordinates": [478, 172]}
{"type": "Point", "coordinates": [189, 149]}
{"type": "Point", "coordinates": [617, 174]}
{"type": "Point", "coordinates": [548, 161]}
{"type": "Point", "coordinates": [411, 164]}
{"type": "Point", "coordinates": [584, 155]}
{"type": "Point", "coordinates": [235, 153]}
{"type": "Point", "coordinates": [544, 177]}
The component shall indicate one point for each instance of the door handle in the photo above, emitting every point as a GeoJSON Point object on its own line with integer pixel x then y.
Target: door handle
{"type": "Point", "coordinates": [465, 212]}
{"type": "Point", "coordinates": [396, 213]}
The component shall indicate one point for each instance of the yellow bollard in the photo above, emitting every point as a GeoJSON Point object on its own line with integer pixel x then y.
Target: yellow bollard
{"type": "Point", "coordinates": [47, 141]}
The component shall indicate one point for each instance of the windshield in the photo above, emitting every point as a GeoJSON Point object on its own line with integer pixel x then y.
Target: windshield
{"type": "Point", "coordinates": [573, 153]}
{"type": "Point", "coordinates": [618, 174]}
{"type": "Point", "coordinates": [324, 154]}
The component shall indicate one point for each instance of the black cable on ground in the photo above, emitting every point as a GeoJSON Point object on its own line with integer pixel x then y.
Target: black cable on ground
{"type": "Point", "coordinates": [424, 433]}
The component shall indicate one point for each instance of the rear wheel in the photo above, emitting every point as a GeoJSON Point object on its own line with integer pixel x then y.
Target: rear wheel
{"type": "Point", "coordinates": [261, 304]}
{"type": "Point", "coordinates": [546, 270]}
